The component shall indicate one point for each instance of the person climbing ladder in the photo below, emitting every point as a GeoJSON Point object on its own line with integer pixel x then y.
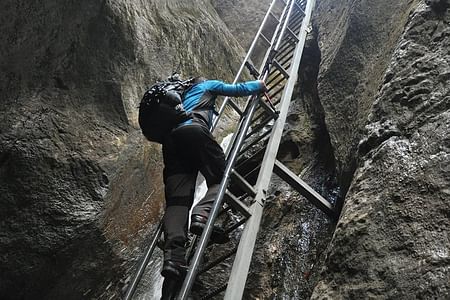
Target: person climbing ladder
{"type": "Point", "coordinates": [188, 149]}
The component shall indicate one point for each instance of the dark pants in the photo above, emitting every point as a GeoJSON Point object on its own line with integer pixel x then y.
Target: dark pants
{"type": "Point", "coordinates": [188, 150]}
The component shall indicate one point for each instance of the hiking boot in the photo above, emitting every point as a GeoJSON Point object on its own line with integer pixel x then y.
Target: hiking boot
{"type": "Point", "coordinates": [173, 269]}
{"type": "Point", "coordinates": [198, 223]}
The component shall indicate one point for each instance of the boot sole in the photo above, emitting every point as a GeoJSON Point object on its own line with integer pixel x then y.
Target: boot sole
{"type": "Point", "coordinates": [218, 236]}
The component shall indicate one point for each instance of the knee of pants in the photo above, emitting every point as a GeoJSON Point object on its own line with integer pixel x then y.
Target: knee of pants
{"type": "Point", "coordinates": [179, 190]}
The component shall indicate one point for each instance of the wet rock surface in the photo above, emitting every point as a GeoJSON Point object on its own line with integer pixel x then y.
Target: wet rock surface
{"type": "Point", "coordinates": [392, 239]}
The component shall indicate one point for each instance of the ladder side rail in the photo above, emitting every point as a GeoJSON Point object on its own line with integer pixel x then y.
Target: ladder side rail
{"type": "Point", "coordinates": [247, 56]}
{"type": "Point", "coordinates": [275, 38]}
{"type": "Point", "coordinates": [203, 243]}
{"type": "Point", "coordinates": [241, 265]}
{"type": "Point", "coordinates": [285, 25]}
{"type": "Point", "coordinates": [262, 67]}
{"type": "Point", "coordinates": [265, 69]}
{"type": "Point", "coordinates": [143, 264]}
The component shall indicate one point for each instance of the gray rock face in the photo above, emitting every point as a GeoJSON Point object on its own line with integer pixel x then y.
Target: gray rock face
{"type": "Point", "coordinates": [357, 39]}
{"type": "Point", "coordinates": [79, 185]}
{"type": "Point", "coordinates": [392, 239]}
{"type": "Point", "coordinates": [81, 189]}
{"type": "Point", "coordinates": [243, 29]}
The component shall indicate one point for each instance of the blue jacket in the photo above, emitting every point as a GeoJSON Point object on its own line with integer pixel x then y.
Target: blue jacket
{"type": "Point", "coordinates": [200, 99]}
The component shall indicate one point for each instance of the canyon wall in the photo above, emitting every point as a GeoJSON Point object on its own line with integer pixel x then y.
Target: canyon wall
{"type": "Point", "coordinates": [81, 189]}
{"type": "Point", "coordinates": [392, 238]}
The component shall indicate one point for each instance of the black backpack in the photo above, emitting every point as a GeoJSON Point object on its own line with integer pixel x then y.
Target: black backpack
{"type": "Point", "coordinates": [161, 109]}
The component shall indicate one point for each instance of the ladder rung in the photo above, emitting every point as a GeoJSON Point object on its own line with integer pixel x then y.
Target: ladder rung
{"type": "Point", "coordinates": [236, 225]}
{"type": "Point", "coordinates": [260, 138]}
{"type": "Point", "coordinates": [296, 5]}
{"type": "Point", "coordinates": [247, 187]}
{"type": "Point", "coordinates": [271, 80]}
{"type": "Point", "coordinates": [269, 109]}
{"type": "Point", "coordinates": [280, 68]}
{"type": "Point", "coordinates": [245, 160]}
{"type": "Point", "coordinates": [299, 8]}
{"type": "Point", "coordinates": [275, 17]}
{"type": "Point", "coordinates": [289, 50]}
{"type": "Point", "coordinates": [286, 59]}
{"type": "Point", "coordinates": [265, 39]}
{"type": "Point", "coordinates": [277, 91]}
{"type": "Point", "coordinates": [292, 35]}
{"type": "Point", "coordinates": [217, 261]}
{"type": "Point", "coordinates": [296, 20]}
{"type": "Point", "coordinates": [273, 74]}
{"type": "Point", "coordinates": [215, 292]}
{"type": "Point", "coordinates": [260, 126]}
{"type": "Point", "coordinates": [257, 166]}
{"type": "Point", "coordinates": [263, 113]}
{"type": "Point", "coordinates": [286, 43]}
{"type": "Point", "coordinates": [235, 106]}
{"type": "Point", "coordinates": [237, 204]}
{"type": "Point", "coordinates": [303, 188]}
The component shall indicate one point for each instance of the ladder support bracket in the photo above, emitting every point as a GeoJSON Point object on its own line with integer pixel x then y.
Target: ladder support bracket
{"type": "Point", "coordinates": [303, 188]}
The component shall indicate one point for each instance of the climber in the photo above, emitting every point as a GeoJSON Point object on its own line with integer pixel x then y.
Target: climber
{"type": "Point", "coordinates": [188, 149]}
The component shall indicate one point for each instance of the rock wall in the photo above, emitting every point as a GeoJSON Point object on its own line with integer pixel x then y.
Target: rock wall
{"type": "Point", "coordinates": [357, 39]}
{"type": "Point", "coordinates": [380, 249]}
{"type": "Point", "coordinates": [81, 189]}
{"type": "Point", "coordinates": [392, 239]}
{"type": "Point", "coordinates": [79, 185]}
{"type": "Point", "coordinates": [242, 29]}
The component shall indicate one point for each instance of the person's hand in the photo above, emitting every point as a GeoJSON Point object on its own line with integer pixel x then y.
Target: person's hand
{"type": "Point", "coordinates": [263, 84]}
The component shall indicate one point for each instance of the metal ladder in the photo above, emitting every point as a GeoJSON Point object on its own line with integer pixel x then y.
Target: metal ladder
{"type": "Point", "coordinates": [251, 157]}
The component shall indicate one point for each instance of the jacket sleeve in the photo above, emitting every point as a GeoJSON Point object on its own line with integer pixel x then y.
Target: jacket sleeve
{"type": "Point", "coordinates": [234, 90]}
